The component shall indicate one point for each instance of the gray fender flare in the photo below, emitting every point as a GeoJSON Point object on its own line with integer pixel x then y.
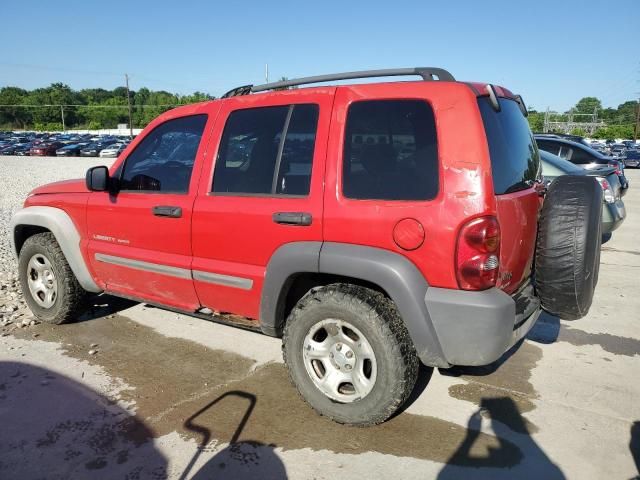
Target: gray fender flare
{"type": "Point", "coordinates": [392, 272]}
{"type": "Point", "coordinates": [58, 222]}
{"type": "Point", "coordinates": [286, 261]}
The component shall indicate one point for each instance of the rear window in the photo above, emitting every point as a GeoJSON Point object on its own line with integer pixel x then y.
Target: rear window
{"type": "Point", "coordinates": [515, 162]}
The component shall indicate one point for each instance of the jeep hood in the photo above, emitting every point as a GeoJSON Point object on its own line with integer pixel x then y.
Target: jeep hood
{"type": "Point", "coordinates": [65, 186]}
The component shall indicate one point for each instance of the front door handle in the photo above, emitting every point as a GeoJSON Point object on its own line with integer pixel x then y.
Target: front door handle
{"type": "Point", "coordinates": [167, 211]}
{"type": "Point", "coordinates": [293, 218]}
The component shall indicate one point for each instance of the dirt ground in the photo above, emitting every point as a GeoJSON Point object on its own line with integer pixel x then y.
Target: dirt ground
{"type": "Point", "coordinates": [135, 392]}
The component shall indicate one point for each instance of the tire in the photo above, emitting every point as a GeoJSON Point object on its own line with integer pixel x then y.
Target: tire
{"type": "Point", "coordinates": [568, 246]}
{"type": "Point", "coordinates": [69, 298]}
{"type": "Point", "coordinates": [368, 318]}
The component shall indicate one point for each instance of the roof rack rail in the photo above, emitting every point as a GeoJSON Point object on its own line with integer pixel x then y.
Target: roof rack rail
{"type": "Point", "coordinates": [427, 73]}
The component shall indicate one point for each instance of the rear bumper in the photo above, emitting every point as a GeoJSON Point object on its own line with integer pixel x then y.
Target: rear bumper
{"type": "Point", "coordinates": [476, 328]}
{"type": "Point", "coordinates": [613, 214]}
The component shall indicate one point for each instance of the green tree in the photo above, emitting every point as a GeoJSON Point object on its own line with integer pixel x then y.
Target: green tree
{"type": "Point", "coordinates": [587, 105]}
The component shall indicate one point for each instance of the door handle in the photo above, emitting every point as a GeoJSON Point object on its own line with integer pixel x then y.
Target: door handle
{"type": "Point", "coordinates": [167, 211]}
{"type": "Point", "coordinates": [293, 218]}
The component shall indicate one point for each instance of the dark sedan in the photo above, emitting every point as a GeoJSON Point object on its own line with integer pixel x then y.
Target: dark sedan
{"type": "Point", "coordinates": [72, 150]}
{"type": "Point", "coordinates": [632, 158]}
{"type": "Point", "coordinates": [94, 149]}
{"type": "Point", "coordinates": [613, 210]}
{"type": "Point", "coordinates": [45, 149]}
{"type": "Point", "coordinates": [581, 155]}
{"type": "Point", "coordinates": [24, 151]}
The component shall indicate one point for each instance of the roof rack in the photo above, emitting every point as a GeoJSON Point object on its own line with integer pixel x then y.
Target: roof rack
{"type": "Point", "coordinates": [427, 73]}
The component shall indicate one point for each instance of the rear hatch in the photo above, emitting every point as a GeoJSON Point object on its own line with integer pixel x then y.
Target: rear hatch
{"type": "Point", "coordinates": [515, 167]}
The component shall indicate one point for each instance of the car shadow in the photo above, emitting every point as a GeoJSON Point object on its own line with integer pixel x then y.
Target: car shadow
{"type": "Point", "coordinates": [102, 305]}
{"type": "Point", "coordinates": [634, 445]}
{"type": "Point", "coordinates": [56, 427]}
{"type": "Point", "coordinates": [546, 330]}
{"type": "Point", "coordinates": [505, 419]}
{"type": "Point", "coordinates": [242, 460]}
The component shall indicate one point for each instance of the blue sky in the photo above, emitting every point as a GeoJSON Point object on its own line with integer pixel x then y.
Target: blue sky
{"type": "Point", "coordinates": [552, 52]}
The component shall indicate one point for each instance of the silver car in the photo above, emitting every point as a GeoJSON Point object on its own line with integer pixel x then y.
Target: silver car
{"type": "Point", "coordinates": [613, 211]}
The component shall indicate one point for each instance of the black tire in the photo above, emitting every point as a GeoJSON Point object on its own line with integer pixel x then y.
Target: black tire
{"type": "Point", "coordinates": [377, 318]}
{"type": "Point", "coordinates": [70, 299]}
{"type": "Point", "coordinates": [568, 246]}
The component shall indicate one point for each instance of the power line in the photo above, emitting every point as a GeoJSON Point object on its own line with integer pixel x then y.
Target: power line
{"type": "Point", "coordinates": [50, 105]}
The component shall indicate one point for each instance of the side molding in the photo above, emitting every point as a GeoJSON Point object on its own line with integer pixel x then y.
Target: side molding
{"type": "Point", "coordinates": [402, 281]}
{"type": "Point", "coordinates": [58, 222]}
{"type": "Point", "coordinates": [286, 261]}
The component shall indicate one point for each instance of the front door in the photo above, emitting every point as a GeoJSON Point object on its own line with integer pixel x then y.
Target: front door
{"type": "Point", "coordinates": [139, 239]}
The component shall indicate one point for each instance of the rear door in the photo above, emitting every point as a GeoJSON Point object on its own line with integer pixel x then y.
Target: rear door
{"type": "Point", "coordinates": [139, 239]}
{"type": "Point", "coordinates": [515, 167]}
{"type": "Point", "coordinates": [262, 189]}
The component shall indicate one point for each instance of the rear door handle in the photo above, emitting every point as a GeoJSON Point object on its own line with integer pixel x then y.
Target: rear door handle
{"type": "Point", "coordinates": [167, 211]}
{"type": "Point", "coordinates": [293, 218]}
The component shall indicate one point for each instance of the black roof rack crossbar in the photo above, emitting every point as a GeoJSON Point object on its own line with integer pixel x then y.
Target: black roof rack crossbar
{"type": "Point", "coordinates": [427, 73]}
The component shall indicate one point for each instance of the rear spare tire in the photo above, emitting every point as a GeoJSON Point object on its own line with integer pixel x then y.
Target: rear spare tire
{"type": "Point", "coordinates": [568, 246]}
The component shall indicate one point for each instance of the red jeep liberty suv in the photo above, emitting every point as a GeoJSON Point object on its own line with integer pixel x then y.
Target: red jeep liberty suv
{"type": "Point", "coordinates": [371, 226]}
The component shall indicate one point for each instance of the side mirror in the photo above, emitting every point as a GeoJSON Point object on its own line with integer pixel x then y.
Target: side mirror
{"type": "Point", "coordinates": [97, 179]}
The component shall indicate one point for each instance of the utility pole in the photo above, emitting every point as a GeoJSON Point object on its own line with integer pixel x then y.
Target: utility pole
{"type": "Point", "coordinates": [62, 115]}
{"type": "Point", "coordinates": [636, 131]}
{"type": "Point", "coordinates": [266, 72]}
{"type": "Point", "coordinates": [126, 78]}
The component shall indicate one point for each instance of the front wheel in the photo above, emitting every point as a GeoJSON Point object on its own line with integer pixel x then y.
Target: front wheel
{"type": "Point", "coordinates": [349, 354]}
{"type": "Point", "coordinates": [49, 286]}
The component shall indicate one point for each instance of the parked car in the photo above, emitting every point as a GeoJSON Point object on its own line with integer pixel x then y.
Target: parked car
{"type": "Point", "coordinates": [72, 150]}
{"type": "Point", "coordinates": [565, 136]}
{"type": "Point", "coordinates": [24, 150]}
{"type": "Point", "coordinates": [613, 211]}
{"type": "Point", "coordinates": [94, 149]}
{"type": "Point", "coordinates": [581, 155]}
{"type": "Point", "coordinates": [632, 158]}
{"type": "Point", "coordinates": [366, 257]}
{"type": "Point", "coordinates": [113, 150]}
{"type": "Point", "coordinates": [45, 149]}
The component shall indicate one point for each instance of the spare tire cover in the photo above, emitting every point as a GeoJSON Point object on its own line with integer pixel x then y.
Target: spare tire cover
{"type": "Point", "coordinates": [568, 246]}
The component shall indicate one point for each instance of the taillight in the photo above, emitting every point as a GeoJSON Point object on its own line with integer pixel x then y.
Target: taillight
{"type": "Point", "coordinates": [616, 165]}
{"type": "Point", "coordinates": [478, 253]}
{"type": "Point", "coordinates": [607, 191]}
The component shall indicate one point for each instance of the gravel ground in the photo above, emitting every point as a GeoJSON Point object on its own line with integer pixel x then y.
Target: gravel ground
{"type": "Point", "coordinates": [17, 178]}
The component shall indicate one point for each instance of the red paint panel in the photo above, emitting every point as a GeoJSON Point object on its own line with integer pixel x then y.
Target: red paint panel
{"type": "Point", "coordinates": [464, 174]}
{"type": "Point", "coordinates": [236, 235]}
{"type": "Point", "coordinates": [518, 218]}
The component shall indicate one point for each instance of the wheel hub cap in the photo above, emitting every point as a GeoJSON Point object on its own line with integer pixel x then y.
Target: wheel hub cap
{"type": "Point", "coordinates": [339, 360]}
{"type": "Point", "coordinates": [41, 280]}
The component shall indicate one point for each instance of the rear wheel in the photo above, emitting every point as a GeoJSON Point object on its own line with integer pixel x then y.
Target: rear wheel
{"type": "Point", "coordinates": [49, 286]}
{"type": "Point", "coordinates": [349, 354]}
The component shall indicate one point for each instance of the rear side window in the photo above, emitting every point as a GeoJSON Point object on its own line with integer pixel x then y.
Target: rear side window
{"type": "Point", "coordinates": [515, 162]}
{"type": "Point", "coordinates": [581, 156]}
{"type": "Point", "coordinates": [163, 161]}
{"type": "Point", "coordinates": [267, 151]}
{"type": "Point", "coordinates": [390, 151]}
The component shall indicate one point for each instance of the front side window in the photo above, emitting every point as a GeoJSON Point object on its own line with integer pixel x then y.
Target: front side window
{"type": "Point", "coordinates": [267, 151]}
{"type": "Point", "coordinates": [163, 161]}
{"type": "Point", "coordinates": [390, 151]}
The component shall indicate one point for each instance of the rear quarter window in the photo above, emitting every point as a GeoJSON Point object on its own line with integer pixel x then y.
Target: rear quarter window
{"type": "Point", "coordinates": [515, 162]}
